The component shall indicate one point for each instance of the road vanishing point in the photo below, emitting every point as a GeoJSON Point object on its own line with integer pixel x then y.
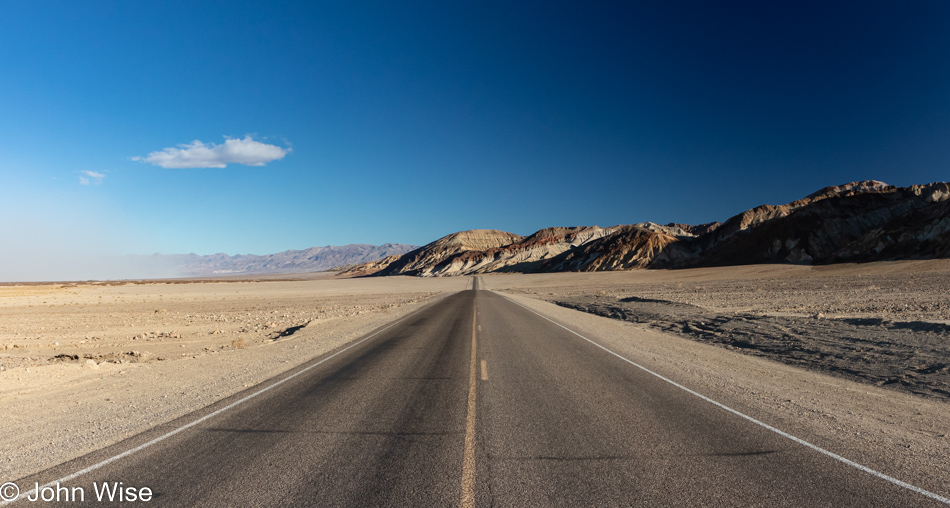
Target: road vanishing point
{"type": "Point", "coordinates": [474, 400]}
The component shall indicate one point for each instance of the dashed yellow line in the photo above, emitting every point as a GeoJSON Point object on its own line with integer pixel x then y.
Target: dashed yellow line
{"type": "Point", "coordinates": [484, 371]}
{"type": "Point", "coordinates": [468, 458]}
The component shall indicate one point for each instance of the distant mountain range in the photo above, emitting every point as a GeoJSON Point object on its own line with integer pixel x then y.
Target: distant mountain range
{"type": "Point", "coordinates": [855, 222]}
{"type": "Point", "coordinates": [314, 259]}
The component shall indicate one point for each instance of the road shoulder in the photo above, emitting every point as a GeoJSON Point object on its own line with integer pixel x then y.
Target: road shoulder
{"type": "Point", "coordinates": [82, 409]}
{"type": "Point", "coordinates": [901, 435]}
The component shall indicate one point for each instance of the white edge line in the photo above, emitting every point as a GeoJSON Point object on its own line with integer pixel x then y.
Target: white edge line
{"type": "Point", "coordinates": [207, 416]}
{"type": "Point", "coordinates": [895, 481]}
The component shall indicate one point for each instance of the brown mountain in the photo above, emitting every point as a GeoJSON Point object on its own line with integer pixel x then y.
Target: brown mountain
{"type": "Point", "coordinates": [832, 225]}
{"type": "Point", "coordinates": [626, 248]}
{"type": "Point", "coordinates": [425, 259]}
{"type": "Point", "coordinates": [857, 221]}
{"type": "Point", "coordinates": [754, 217]}
{"type": "Point", "coordinates": [585, 248]}
{"type": "Point", "coordinates": [920, 234]}
{"type": "Point", "coordinates": [370, 268]}
{"type": "Point", "coordinates": [460, 254]}
{"type": "Point", "coordinates": [525, 255]}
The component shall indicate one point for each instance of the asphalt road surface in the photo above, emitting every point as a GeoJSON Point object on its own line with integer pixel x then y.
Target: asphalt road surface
{"type": "Point", "coordinates": [474, 401]}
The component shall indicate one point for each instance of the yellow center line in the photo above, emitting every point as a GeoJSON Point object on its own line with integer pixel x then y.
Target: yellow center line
{"type": "Point", "coordinates": [468, 459]}
{"type": "Point", "coordinates": [484, 371]}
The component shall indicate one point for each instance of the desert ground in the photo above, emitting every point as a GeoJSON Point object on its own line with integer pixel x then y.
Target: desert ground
{"type": "Point", "coordinates": [885, 323]}
{"type": "Point", "coordinates": [83, 365]}
{"type": "Point", "coordinates": [853, 357]}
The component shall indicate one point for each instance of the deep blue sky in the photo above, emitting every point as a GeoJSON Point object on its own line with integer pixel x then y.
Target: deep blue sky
{"type": "Point", "coordinates": [408, 121]}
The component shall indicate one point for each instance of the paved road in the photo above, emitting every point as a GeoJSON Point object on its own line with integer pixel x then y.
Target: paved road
{"type": "Point", "coordinates": [532, 416]}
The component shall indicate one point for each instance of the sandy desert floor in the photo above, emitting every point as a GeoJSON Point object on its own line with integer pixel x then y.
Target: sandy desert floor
{"type": "Point", "coordinates": [86, 365]}
{"type": "Point", "coordinates": [83, 366]}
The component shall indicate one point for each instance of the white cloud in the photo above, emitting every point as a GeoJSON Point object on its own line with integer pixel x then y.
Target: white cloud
{"type": "Point", "coordinates": [91, 177]}
{"type": "Point", "coordinates": [209, 155]}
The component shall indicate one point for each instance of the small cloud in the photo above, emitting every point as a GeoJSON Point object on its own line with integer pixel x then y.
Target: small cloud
{"type": "Point", "coordinates": [209, 155]}
{"type": "Point", "coordinates": [91, 177]}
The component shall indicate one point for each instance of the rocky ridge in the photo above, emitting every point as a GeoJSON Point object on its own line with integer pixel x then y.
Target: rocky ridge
{"type": "Point", "coordinates": [854, 222]}
{"type": "Point", "coordinates": [832, 225]}
{"type": "Point", "coordinates": [425, 259]}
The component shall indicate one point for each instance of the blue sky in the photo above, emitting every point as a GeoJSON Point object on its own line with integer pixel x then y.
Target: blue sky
{"type": "Point", "coordinates": [406, 121]}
